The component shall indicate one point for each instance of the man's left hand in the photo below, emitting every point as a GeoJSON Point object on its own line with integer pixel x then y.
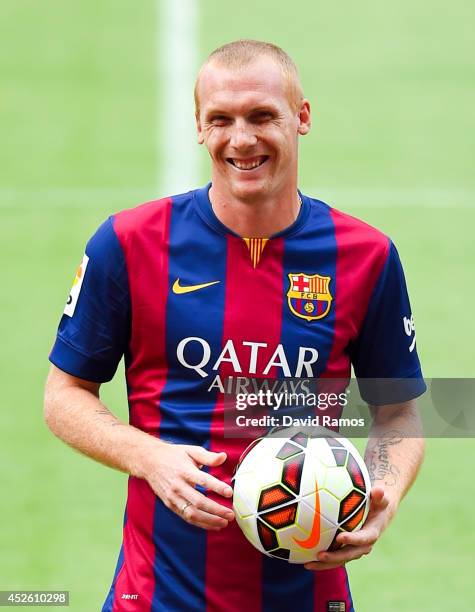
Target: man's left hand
{"type": "Point", "coordinates": [358, 543]}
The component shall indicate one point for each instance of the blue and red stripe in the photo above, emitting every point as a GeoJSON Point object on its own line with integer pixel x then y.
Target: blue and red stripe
{"type": "Point", "coordinates": [256, 291]}
{"type": "Point", "coordinates": [185, 406]}
{"type": "Point", "coordinates": [143, 234]}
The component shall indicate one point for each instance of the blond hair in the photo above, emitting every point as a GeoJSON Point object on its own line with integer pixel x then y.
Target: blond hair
{"type": "Point", "coordinates": [238, 54]}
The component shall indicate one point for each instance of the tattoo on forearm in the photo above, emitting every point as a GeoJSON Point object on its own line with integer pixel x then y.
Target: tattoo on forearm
{"type": "Point", "coordinates": [378, 461]}
{"type": "Point", "coordinates": [103, 412]}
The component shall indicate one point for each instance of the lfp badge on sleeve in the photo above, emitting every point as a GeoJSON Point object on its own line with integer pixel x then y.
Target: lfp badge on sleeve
{"type": "Point", "coordinates": [309, 295]}
{"type": "Point", "coordinates": [76, 288]}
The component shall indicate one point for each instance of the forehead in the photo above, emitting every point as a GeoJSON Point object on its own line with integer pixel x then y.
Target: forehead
{"type": "Point", "coordinates": [260, 83]}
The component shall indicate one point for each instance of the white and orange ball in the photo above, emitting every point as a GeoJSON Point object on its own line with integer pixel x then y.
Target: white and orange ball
{"type": "Point", "coordinates": [293, 495]}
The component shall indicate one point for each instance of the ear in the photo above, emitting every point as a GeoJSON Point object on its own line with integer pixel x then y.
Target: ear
{"type": "Point", "coordinates": [199, 131]}
{"type": "Point", "coordinates": [304, 115]}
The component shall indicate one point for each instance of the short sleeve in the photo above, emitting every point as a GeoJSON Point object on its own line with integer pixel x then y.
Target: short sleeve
{"type": "Point", "coordinates": [94, 330]}
{"type": "Point", "coordinates": [385, 348]}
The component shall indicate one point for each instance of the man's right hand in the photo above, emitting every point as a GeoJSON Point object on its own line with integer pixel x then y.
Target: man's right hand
{"type": "Point", "coordinates": [74, 413]}
{"type": "Point", "coordinates": [174, 471]}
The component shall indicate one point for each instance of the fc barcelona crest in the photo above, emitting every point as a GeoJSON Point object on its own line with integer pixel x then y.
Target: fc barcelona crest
{"type": "Point", "coordinates": [309, 295]}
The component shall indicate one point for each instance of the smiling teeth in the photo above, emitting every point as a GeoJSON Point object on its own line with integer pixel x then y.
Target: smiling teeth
{"type": "Point", "coordinates": [242, 165]}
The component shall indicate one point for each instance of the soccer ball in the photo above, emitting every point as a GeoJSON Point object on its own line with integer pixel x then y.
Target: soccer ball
{"type": "Point", "coordinates": [293, 495]}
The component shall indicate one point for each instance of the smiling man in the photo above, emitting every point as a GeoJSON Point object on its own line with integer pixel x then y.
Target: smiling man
{"type": "Point", "coordinates": [244, 277]}
{"type": "Point", "coordinates": [250, 112]}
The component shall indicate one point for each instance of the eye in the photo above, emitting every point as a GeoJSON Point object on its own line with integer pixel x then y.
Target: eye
{"type": "Point", "coordinates": [219, 120]}
{"type": "Point", "coordinates": [261, 116]}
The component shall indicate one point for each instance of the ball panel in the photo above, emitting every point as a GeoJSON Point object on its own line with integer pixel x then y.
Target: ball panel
{"type": "Point", "coordinates": [350, 504]}
{"type": "Point", "coordinates": [338, 482]}
{"type": "Point", "coordinates": [356, 473]}
{"type": "Point", "coordinates": [353, 523]}
{"type": "Point", "coordinates": [301, 556]}
{"type": "Point", "coordinates": [281, 517]}
{"type": "Point", "coordinates": [314, 471]}
{"type": "Point", "coordinates": [334, 545]}
{"type": "Point", "coordinates": [272, 496]}
{"type": "Point", "coordinates": [260, 452]}
{"type": "Point", "coordinates": [280, 553]}
{"type": "Point", "coordinates": [292, 472]}
{"type": "Point", "coordinates": [322, 453]}
{"type": "Point", "coordinates": [300, 438]}
{"type": "Point", "coordinates": [249, 528]}
{"type": "Point", "coordinates": [340, 455]}
{"type": "Point", "coordinates": [246, 494]}
{"type": "Point", "coordinates": [242, 507]}
{"type": "Point", "coordinates": [326, 538]}
{"type": "Point", "coordinates": [359, 460]}
{"type": "Point", "coordinates": [267, 536]}
{"type": "Point", "coordinates": [308, 481]}
{"type": "Point", "coordinates": [329, 508]}
{"type": "Point", "coordinates": [333, 442]}
{"type": "Point", "coordinates": [288, 450]}
{"type": "Point", "coordinates": [305, 514]}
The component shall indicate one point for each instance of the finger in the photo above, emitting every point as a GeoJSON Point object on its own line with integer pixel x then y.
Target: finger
{"type": "Point", "coordinates": [377, 490]}
{"type": "Point", "coordinates": [205, 480]}
{"type": "Point", "coordinates": [364, 537]}
{"type": "Point", "coordinates": [201, 502]}
{"type": "Point", "coordinates": [378, 497]}
{"type": "Point", "coordinates": [205, 457]}
{"type": "Point", "coordinates": [197, 517]}
{"type": "Point", "coordinates": [318, 566]}
{"type": "Point", "coordinates": [349, 553]}
{"type": "Point", "coordinates": [330, 564]}
{"type": "Point", "coordinates": [188, 518]}
{"type": "Point", "coordinates": [185, 510]}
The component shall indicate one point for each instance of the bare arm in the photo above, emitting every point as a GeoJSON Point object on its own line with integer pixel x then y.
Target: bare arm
{"type": "Point", "coordinates": [74, 413]}
{"type": "Point", "coordinates": [395, 450]}
{"type": "Point", "coordinates": [394, 453]}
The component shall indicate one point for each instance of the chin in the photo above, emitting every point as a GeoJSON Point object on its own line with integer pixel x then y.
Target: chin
{"type": "Point", "coordinates": [248, 190]}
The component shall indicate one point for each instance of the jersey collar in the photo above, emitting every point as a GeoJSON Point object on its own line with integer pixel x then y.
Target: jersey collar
{"type": "Point", "coordinates": [205, 211]}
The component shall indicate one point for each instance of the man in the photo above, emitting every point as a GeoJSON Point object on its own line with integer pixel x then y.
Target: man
{"type": "Point", "coordinates": [193, 289]}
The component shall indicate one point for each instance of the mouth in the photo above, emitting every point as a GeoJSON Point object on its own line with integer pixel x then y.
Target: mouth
{"type": "Point", "coordinates": [250, 163]}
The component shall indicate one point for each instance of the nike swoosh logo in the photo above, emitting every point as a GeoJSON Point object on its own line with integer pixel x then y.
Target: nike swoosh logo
{"type": "Point", "coordinates": [314, 537]}
{"type": "Point", "coordinates": [177, 288]}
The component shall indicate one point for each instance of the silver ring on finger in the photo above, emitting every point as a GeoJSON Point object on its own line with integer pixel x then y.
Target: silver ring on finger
{"type": "Point", "coordinates": [184, 507]}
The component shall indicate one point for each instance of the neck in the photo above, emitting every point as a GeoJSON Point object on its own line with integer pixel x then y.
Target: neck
{"type": "Point", "coordinates": [259, 217]}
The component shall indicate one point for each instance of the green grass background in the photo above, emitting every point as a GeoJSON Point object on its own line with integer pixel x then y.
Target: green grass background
{"type": "Point", "coordinates": [392, 87]}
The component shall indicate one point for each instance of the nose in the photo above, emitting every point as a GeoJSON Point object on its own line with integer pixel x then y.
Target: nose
{"type": "Point", "coordinates": [242, 135]}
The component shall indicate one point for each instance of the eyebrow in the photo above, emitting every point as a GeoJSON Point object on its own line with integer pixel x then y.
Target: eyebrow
{"type": "Point", "coordinates": [262, 108]}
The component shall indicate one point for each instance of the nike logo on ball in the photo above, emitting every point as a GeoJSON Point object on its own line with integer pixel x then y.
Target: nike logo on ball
{"type": "Point", "coordinates": [314, 537]}
{"type": "Point", "coordinates": [177, 288]}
